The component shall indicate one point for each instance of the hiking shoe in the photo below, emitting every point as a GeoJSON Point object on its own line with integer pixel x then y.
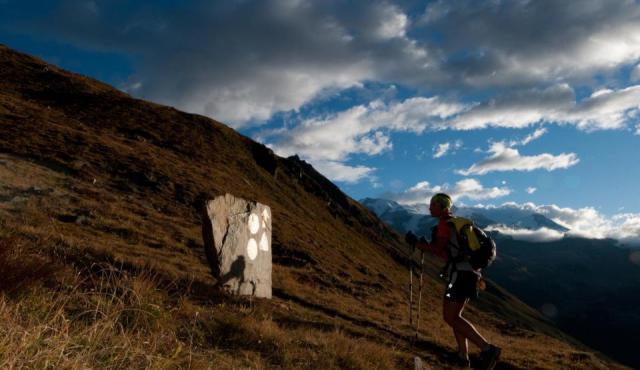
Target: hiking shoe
{"type": "Point", "coordinates": [489, 357]}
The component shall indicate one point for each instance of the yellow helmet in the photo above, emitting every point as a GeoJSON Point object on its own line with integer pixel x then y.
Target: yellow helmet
{"type": "Point", "coordinates": [443, 200]}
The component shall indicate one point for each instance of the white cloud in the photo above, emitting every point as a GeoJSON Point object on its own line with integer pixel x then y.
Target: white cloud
{"type": "Point", "coordinates": [334, 137]}
{"type": "Point", "coordinates": [263, 92]}
{"type": "Point", "coordinates": [468, 188]}
{"type": "Point", "coordinates": [529, 138]}
{"type": "Point", "coordinates": [635, 73]}
{"type": "Point", "coordinates": [443, 149]}
{"type": "Point", "coordinates": [501, 49]}
{"type": "Point", "coordinates": [363, 129]}
{"type": "Point", "coordinates": [337, 171]}
{"type": "Point", "coordinates": [366, 128]}
{"type": "Point", "coordinates": [244, 61]}
{"type": "Point", "coordinates": [531, 190]}
{"type": "Point", "coordinates": [504, 158]}
{"type": "Point", "coordinates": [472, 189]}
{"type": "Point", "coordinates": [517, 110]}
{"type": "Point", "coordinates": [393, 24]}
{"type": "Point", "coordinates": [540, 235]}
{"type": "Point", "coordinates": [605, 109]}
{"type": "Point", "coordinates": [584, 222]}
{"type": "Point", "coordinates": [628, 231]}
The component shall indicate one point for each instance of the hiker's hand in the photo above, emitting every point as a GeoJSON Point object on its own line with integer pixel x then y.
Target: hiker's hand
{"type": "Point", "coordinates": [410, 239]}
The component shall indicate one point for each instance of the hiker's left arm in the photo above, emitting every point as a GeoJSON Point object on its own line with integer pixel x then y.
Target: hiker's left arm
{"type": "Point", "coordinates": [437, 247]}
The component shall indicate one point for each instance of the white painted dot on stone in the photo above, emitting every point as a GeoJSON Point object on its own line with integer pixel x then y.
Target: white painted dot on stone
{"type": "Point", "coordinates": [252, 249]}
{"type": "Point", "coordinates": [254, 223]}
{"type": "Point", "coordinates": [264, 242]}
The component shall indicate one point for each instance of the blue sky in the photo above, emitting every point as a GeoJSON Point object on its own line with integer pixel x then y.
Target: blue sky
{"type": "Point", "coordinates": [535, 103]}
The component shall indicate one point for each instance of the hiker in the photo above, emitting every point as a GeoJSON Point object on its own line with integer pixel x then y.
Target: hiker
{"type": "Point", "coordinates": [462, 284]}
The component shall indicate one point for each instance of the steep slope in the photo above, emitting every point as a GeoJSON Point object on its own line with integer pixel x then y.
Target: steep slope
{"type": "Point", "coordinates": [90, 175]}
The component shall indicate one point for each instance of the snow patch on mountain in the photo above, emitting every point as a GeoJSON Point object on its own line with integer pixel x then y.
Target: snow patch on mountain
{"type": "Point", "coordinates": [507, 220]}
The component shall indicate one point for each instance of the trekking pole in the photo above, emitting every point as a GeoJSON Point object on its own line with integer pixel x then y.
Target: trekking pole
{"type": "Point", "coordinates": [411, 290]}
{"type": "Point", "coordinates": [411, 240]}
{"type": "Point", "coordinates": [420, 294]}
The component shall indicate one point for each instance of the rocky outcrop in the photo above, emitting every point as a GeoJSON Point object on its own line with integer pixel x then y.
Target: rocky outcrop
{"type": "Point", "coordinates": [237, 242]}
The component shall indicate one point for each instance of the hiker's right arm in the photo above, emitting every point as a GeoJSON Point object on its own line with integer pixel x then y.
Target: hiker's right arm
{"type": "Point", "coordinates": [437, 247]}
{"type": "Point", "coordinates": [440, 242]}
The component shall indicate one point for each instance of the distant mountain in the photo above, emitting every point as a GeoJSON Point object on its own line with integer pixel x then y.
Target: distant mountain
{"type": "Point", "coordinates": [381, 206]}
{"type": "Point", "coordinates": [415, 218]}
{"type": "Point", "coordinates": [511, 216]}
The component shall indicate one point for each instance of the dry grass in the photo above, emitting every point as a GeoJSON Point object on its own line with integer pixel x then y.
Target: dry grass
{"type": "Point", "coordinates": [108, 319]}
{"type": "Point", "coordinates": [111, 328]}
{"type": "Point", "coordinates": [19, 266]}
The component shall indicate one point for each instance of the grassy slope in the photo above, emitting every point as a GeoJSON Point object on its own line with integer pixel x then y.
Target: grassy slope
{"type": "Point", "coordinates": [91, 178]}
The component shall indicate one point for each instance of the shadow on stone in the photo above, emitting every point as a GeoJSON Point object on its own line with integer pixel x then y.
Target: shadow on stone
{"type": "Point", "coordinates": [236, 271]}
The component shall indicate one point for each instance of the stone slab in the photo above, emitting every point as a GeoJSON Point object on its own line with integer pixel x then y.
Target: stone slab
{"type": "Point", "coordinates": [237, 239]}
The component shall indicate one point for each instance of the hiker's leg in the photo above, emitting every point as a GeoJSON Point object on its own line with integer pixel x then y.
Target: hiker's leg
{"type": "Point", "coordinates": [452, 311]}
{"type": "Point", "coordinates": [463, 343]}
{"type": "Point", "coordinates": [463, 346]}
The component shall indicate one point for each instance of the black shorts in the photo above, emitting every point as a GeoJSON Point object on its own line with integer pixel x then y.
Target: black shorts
{"type": "Point", "coordinates": [462, 285]}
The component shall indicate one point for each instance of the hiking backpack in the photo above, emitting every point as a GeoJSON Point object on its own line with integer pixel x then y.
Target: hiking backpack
{"type": "Point", "coordinates": [474, 243]}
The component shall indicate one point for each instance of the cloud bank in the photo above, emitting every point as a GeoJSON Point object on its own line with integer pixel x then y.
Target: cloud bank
{"type": "Point", "coordinates": [503, 158]}
{"type": "Point", "coordinates": [243, 61]}
{"type": "Point", "coordinates": [366, 129]}
{"type": "Point", "coordinates": [584, 222]}
{"type": "Point", "coordinates": [464, 189]}
{"type": "Point", "coordinates": [540, 235]}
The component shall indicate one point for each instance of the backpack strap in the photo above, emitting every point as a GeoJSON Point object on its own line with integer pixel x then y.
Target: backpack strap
{"type": "Point", "coordinates": [459, 223]}
{"type": "Point", "coordinates": [452, 262]}
{"type": "Point", "coordinates": [462, 226]}
{"type": "Point", "coordinates": [464, 229]}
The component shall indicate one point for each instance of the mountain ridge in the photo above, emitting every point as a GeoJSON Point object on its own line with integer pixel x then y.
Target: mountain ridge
{"type": "Point", "coordinates": [406, 217]}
